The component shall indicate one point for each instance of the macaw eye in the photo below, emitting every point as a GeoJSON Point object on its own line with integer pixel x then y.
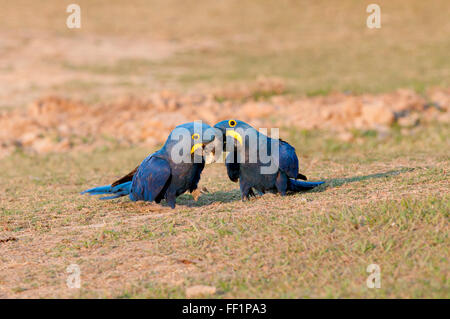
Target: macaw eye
{"type": "Point", "coordinates": [195, 136]}
{"type": "Point", "coordinates": [232, 123]}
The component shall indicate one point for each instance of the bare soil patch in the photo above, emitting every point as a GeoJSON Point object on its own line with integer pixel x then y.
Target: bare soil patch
{"type": "Point", "coordinates": [58, 124]}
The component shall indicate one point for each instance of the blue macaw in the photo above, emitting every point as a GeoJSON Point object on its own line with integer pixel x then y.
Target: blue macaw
{"type": "Point", "coordinates": [250, 173]}
{"type": "Point", "coordinates": [167, 173]}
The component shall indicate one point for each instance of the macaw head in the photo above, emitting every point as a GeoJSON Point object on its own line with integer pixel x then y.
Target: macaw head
{"type": "Point", "coordinates": [189, 139]}
{"type": "Point", "coordinates": [234, 129]}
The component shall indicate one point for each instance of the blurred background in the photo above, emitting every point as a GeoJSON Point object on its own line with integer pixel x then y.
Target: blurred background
{"type": "Point", "coordinates": [137, 68]}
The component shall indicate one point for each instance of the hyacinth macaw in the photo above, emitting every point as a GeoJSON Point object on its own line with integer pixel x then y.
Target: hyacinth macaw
{"type": "Point", "coordinates": [168, 172]}
{"type": "Point", "coordinates": [281, 178]}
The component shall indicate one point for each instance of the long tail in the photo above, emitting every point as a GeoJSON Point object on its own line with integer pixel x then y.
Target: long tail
{"type": "Point", "coordinates": [115, 191]}
{"type": "Point", "coordinates": [299, 186]}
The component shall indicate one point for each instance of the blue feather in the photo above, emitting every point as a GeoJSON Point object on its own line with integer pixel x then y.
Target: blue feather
{"type": "Point", "coordinates": [116, 191]}
{"type": "Point", "coordinates": [298, 186]}
{"type": "Point", "coordinates": [98, 190]}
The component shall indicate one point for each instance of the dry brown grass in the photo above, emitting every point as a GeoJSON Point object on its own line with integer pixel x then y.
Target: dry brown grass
{"type": "Point", "coordinates": [383, 203]}
{"type": "Point", "coordinates": [386, 200]}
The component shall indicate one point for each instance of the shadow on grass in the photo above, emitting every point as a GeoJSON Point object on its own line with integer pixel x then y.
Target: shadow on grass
{"type": "Point", "coordinates": [235, 195]}
{"type": "Point", "coordinates": [210, 198]}
{"type": "Point", "coordinates": [336, 182]}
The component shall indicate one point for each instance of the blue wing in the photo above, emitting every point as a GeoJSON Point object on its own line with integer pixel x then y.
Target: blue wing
{"type": "Point", "coordinates": [288, 159]}
{"type": "Point", "coordinates": [151, 179]}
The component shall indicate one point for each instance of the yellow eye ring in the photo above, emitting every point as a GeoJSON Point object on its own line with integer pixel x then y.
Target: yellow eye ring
{"type": "Point", "coordinates": [195, 136]}
{"type": "Point", "coordinates": [232, 123]}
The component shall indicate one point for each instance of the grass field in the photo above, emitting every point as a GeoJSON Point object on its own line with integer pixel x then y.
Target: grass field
{"type": "Point", "coordinates": [385, 203]}
{"type": "Point", "coordinates": [386, 198]}
{"type": "Point", "coordinates": [140, 45]}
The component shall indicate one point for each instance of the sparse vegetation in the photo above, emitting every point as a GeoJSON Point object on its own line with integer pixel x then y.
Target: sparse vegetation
{"type": "Point", "coordinates": [381, 204]}
{"type": "Point", "coordinates": [386, 200]}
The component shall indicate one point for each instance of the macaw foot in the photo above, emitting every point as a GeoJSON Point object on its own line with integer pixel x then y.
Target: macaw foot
{"type": "Point", "coordinates": [254, 193]}
{"type": "Point", "coordinates": [171, 200]}
{"type": "Point", "coordinates": [250, 194]}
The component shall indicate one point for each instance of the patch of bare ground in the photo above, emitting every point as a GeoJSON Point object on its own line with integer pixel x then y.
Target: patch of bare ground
{"type": "Point", "coordinates": [59, 124]}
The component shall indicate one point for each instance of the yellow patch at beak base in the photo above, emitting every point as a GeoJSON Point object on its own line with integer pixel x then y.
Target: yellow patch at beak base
{"type": "Point", "coordinates": [235, 135]}
{"type": "Point", "coordinates": [195, 146]}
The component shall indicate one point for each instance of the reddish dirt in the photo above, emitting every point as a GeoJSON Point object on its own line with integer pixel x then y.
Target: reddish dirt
{"type": "Point", "coordinates": [57, 124]}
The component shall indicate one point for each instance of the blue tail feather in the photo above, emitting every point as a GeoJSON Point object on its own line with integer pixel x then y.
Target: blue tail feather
{"type": "Point", "coordinates": [298, 186]}
{"type": "Point", "coordinates": [115, 192]}
{"type": "Point", "coordinates": [98, 190]}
